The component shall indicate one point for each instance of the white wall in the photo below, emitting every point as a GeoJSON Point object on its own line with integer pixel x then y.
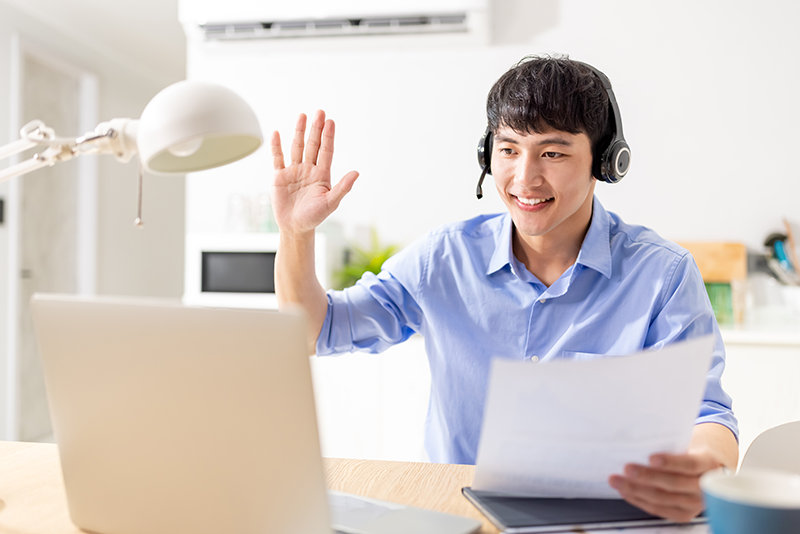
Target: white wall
{"type": "Point", "coordinates": [706, 91]}
{"type": "Point", "coordinates": [708, 100]}
{"type": "Point", "coordinates": [148, 262]}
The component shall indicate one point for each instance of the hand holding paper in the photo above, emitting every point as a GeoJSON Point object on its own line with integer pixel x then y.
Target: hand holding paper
{"type": "Point", "coordinates": [669, 486]}
{"type": "Point", "coordinates": [560, 429]}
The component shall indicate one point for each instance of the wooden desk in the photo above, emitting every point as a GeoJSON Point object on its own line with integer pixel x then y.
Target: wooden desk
{"type": "Point", "coordinates": [433, 486]}
{"type": "Point", "coordinates": [32, 498]}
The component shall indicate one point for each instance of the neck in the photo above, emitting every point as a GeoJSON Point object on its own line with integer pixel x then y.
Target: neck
{"type": "Point", "coordinates": [548, 256]}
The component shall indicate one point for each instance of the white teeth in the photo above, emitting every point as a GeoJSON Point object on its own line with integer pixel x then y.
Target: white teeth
{"type": "Point", "coordinates": [533, 201]}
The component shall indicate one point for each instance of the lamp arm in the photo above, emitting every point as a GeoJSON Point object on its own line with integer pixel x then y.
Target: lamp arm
{"type": "Point", "coordinates": [117, 137]}
{"type": "Point", "coordinates": [33, 134]}
{"type": "Point", "coordinates": [47, 158]}
{"type": "Point", "coordinates": [16, 147]}
{"type": "Point", "coordinates": [24, 167]}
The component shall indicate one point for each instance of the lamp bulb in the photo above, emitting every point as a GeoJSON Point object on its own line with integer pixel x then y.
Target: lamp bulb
{"type": "Point", "coordinates": [187, 148]}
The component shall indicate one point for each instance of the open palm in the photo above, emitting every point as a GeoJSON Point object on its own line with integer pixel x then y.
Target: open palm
{"type": "Point", "coordinates": [302, 195]}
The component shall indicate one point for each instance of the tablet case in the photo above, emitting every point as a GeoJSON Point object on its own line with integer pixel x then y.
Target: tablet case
{"type": "Point", "coordinates": [520, 515]}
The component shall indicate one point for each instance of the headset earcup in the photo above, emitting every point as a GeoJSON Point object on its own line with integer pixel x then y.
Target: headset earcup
{"type": "Point", "coordinates": [485, 151]}
{"type": "Point", "coordinates": [615, 162]}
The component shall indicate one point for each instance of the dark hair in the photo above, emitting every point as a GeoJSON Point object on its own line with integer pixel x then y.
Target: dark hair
{"type": "Point", "coordinates": [543, 92]}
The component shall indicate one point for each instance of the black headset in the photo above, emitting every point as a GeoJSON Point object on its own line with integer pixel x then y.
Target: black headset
{"type": "Point", "coordinates": [612, 155]}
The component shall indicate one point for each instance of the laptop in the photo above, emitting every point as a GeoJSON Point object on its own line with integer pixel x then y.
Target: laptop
{"type": "Point", "coordinates": [181, 419]}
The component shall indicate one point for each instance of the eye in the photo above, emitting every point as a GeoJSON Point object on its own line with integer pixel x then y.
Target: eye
{"type": "Point", "coordinates": [552, 155]}
{"type": "Point", "coordinates": [506, 151]}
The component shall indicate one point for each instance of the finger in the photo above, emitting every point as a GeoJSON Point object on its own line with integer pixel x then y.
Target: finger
{"type": "Point", "coordinates": [341, 188]}
{"type": "Point", "coordinates": [297, 142]}
{"type": "Point", "coordinates": [326, 150]}
{"type": "Point", "coordinates": [678, 507]}
{"type": "Point", "coordinates": [665, 480]}
{"type": "Point", "coordinates": [312, 145]}
{"type": "Point", "coordinates": [277, 153]}
{"type": "Point", "coordinates": [689, 464]}
{"type": "Point", "coordinates": [672, 513]}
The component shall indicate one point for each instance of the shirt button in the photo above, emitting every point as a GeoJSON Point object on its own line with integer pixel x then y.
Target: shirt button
{"type": "Point", "coordinates": [542, 301]}
{"type": "Point", "coordinates": [534, 359]}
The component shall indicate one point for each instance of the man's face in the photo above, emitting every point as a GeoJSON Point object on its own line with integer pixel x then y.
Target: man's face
{"type": "Point", "coordinates": [545, 180]}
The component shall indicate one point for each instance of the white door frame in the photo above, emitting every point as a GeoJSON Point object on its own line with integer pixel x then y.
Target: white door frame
{"type": "Point", "coordinates": [87, 213]}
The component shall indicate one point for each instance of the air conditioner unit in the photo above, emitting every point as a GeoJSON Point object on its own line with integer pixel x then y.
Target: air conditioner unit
{"type": "Point", "coordinates": [248, 19]}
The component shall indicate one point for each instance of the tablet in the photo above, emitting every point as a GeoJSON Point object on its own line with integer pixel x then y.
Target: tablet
{"type": "Point", "coordinates": [518, 515]}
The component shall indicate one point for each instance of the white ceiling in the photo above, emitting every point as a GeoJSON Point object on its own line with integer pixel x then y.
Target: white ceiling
{"type": "Point", "coordinates": [144, 34]}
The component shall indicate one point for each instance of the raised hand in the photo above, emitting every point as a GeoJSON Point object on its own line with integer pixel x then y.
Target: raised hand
{"type": "Point", "coordinates": [302, 195]}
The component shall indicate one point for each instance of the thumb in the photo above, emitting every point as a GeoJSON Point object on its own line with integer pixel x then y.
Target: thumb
{"type": "Point", "coordinates": [342, 187]}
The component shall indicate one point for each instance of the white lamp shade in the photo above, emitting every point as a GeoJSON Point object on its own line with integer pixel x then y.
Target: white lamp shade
{"type": "Point", "coordinates": [192, 126]}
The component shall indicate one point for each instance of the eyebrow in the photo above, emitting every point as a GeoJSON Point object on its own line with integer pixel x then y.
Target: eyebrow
{"type": "Point", "coordinates": [546, 141]}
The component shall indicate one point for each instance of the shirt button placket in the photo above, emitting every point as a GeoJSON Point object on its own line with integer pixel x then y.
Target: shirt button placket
{"type": "Point", "coordinates": [534, 358]}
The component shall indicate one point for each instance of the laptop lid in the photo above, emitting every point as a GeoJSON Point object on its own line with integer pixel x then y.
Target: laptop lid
{"type": "Point", "coordinates": [178, 419]}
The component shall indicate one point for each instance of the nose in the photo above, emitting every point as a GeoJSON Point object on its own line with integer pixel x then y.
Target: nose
{"type": "Point", "coordinates": [529, 171]}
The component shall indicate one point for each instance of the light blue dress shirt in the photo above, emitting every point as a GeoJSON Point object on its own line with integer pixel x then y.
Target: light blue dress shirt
{"type": "Point", "coordinates": [462, 288]}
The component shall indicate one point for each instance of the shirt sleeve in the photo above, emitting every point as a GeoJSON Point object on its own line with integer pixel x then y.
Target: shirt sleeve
{"type": "Point", "coordinates": [379, 310]}
{"type": "Point", "coordinates": [686, 313]}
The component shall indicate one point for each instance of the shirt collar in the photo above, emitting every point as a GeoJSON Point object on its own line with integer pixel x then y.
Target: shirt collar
{"type": "Point", "coordinates": [502, 248]}
{"type": "Point", "coordinates": [596, 248]}
{"type": "Point", "coordinates": [595, 251]}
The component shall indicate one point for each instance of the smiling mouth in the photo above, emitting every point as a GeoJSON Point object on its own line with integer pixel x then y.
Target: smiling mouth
{"type": "Point", "coordinates": [534, 201]}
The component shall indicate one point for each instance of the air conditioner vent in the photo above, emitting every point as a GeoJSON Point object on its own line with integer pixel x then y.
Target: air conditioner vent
{"type": "Point", "coordinates": [444, 23]}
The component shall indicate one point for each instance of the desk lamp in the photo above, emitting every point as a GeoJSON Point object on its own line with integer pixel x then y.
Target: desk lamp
{"type": "Point", "coordinates": [188, 126]}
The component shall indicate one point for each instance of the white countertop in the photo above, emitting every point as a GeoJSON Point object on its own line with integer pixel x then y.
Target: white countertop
{"type": "Point", "coordinates": [751, 335]}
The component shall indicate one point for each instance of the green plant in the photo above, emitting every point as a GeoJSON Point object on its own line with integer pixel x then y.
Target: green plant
{"type": "Point", "coordinates": [360, 261]}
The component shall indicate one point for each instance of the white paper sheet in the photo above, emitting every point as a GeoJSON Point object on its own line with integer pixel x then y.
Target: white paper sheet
{"type": "Point", "coordinates": [560, 429]}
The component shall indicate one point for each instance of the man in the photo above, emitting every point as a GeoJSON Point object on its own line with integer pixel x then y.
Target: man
{"type": "Point", "coordinates": [556, 277]}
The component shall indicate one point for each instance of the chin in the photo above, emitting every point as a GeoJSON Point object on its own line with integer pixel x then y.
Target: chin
{"type": "Point", "coordinates": [531, 230]}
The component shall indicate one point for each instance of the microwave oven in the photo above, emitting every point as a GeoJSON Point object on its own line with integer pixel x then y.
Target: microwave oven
{"type": "Point", "coordinates": [237, 270]}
